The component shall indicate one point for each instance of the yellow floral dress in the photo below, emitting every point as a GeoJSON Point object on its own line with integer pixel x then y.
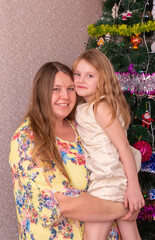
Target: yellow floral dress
{"type": "Point", "coordinates": [36, 206]}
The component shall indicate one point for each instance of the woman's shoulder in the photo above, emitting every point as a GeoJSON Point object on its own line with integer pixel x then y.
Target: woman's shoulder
{"type": "Point", "coordinates": [21, 143]}
{"type": "Point", "coordinates": [73, 123]}
{"type": "Point", "coordinates": [24, 129]}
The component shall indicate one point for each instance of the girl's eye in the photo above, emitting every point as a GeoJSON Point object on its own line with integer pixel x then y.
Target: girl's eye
{"type": "Point", "coordinates": [76, 74]}
{"type": "Point", "coordinates": [90, 75]}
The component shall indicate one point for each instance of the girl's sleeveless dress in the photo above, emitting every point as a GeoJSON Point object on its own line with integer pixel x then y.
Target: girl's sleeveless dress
{"type": "Point", "coordinates": [108, 179]}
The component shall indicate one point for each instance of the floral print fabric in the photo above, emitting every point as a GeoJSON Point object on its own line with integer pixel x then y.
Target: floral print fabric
{"type": "Point", "coordinates": [37, 210]}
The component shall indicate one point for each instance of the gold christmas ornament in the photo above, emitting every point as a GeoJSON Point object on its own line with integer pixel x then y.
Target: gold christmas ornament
{"type": "Point", "coordinates": [100, 42]}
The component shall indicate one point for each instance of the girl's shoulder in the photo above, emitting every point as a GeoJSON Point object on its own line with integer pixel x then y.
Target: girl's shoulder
{"type": "Point", "coordinates": [102, 106]}
{"type": "Point", "coordinates": [102, 113]}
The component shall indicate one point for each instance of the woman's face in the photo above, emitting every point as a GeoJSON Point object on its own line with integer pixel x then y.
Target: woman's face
{"type": "Point", "coordinates": [63, 95]}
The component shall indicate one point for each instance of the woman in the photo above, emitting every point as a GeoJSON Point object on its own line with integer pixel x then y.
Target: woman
{"type": "Point", "coordinates": [46, 157]}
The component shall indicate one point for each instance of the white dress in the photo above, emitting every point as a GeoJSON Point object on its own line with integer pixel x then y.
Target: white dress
{"type": "Point", "coordinates": [108, 179]}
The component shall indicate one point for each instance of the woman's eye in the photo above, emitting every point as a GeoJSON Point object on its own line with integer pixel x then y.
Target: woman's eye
{"type": "Point", "coordinates": [71, 89]}
{"type": "Point", "coordinates": [56, 89]}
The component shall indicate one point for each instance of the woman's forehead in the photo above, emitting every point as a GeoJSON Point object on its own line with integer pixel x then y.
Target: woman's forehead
{"type": "Point", "coordinates": [63, 79]}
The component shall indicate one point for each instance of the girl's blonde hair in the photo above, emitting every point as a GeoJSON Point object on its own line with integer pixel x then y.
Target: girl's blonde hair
{"type": "Point", "coordinates": [108, 85]}
{"type": "Point", "coordinates": [42, 118]}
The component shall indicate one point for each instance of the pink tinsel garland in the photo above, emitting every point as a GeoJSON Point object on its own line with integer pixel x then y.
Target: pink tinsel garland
{"type": "Point", "coordinates": [137, 83]}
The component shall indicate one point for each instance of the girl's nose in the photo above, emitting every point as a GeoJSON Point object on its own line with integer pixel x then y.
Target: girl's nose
{"type": "Point", "coordinates": [81, 79]}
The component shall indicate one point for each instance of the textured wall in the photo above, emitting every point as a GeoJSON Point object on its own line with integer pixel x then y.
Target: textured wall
{"type": "Point", "coordinates": [32, 32]}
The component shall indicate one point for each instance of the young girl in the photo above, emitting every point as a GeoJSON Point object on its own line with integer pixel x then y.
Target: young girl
{"type": "Point", "coordinates": [103, 117]}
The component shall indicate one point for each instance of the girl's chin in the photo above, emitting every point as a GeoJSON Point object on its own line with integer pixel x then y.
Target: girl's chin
{"type": "Point", "coordinates": [80, 94]}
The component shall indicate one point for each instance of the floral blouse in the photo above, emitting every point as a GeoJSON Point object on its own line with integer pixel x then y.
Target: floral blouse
{"type": "Point", "coordinates": [37, 209]}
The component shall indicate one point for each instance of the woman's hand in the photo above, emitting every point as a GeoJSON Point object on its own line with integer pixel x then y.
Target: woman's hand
{"type": "Point", "coordinates": [131, 216]}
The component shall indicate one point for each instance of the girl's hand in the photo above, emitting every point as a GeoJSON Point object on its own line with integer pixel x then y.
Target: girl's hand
{"type": "Point", "coordinates": [134, 199]}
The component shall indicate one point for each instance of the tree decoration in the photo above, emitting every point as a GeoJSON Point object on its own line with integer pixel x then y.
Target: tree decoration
{"type": "Point", "coordinates": [135, 82]}
{"type": "Point", "coordinates": [107, 37]}
{"type": "Point", "coordinates": [135, 70]}
{"type": "Point", "coordinates": [153, 47]}
{"type": "Point", "coordinates": [124, 16]}
{"type": "Point", "coordinates": [148, 167]}
{"type": "Point", "coordinates": [131, 69]}
{"type": "Point", "coordinates": [122, 30]}
{"type": "Point", "coordinates": [129, 14]}
{"type": "Point", "coordinates": [151, 195]}
{"type": "Point", "coordinates": [146, 121]}
{"type": "Point", "coordinates": [145, 149]}
{"type": "Point", "coordinates": [135, 41]}
{"type": "Point", "coordinates": [153, 10]}
{"type": "Point", "coordinates": [147, 213]}
{"type": "Point", "coordinates": [100, 42]}
{"type": "Point", "coordinates": [115, 11]}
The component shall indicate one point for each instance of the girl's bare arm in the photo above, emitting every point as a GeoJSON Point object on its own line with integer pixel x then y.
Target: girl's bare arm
{"type": "Point", "coordinates": [118, 137]}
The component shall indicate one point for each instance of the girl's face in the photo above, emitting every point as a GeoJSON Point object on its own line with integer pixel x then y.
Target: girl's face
{"type": "Point", "coordinates": [63, 95]}
{"type": "Point", "coordinates": [85, 78]}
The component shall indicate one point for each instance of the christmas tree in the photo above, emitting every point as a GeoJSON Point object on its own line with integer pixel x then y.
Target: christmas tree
{"type": "Point", "coordinates": [125, 34]}
{"type": "Point", "coordinates": [126, 26]}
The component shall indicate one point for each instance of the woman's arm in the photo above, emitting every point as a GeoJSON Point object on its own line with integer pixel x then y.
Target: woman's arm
{"type": "Point", "coordinates": [33, 196]}
{"type": "Point", "coordinates": [89, 208]}
{"type": "Point", "coordinates": [118, 137]}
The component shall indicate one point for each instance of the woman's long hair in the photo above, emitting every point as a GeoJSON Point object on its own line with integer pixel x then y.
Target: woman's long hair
{"type": "Point", "coordinates": [41, 115]}
{"type": "Point", "coordinates": [108, 84]}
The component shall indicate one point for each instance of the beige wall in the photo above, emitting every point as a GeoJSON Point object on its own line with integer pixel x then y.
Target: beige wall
{"type": "Point", "coordinates": [32, 32]}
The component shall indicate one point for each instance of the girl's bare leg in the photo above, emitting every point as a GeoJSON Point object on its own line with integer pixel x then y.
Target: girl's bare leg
{"type": "Point", "coordinates": [97, 230]}
{"type": "Point", "coordinates": [128, 230]}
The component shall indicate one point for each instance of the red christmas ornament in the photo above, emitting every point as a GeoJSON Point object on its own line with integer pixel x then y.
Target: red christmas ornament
{"type": "Point", "coordinates": [136, 40]}
{"type": "Point", "coordinates": [145, 149]}
{"type": "Point", "coordinates": [129, 13]}
{"type": "Point", "coordinates": [124, 16]}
